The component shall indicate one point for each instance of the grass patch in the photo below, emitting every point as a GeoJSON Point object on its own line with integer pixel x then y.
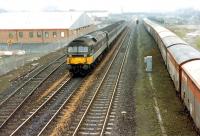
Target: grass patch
{"type": "Point", "coordinates": [197, 42]}
{"type": "Point", "coordinates": [180, 31]}
{"type": "Point", "coordinates": [146, 119]}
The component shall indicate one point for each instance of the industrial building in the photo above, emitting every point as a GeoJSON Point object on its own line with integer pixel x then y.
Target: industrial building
{"type": "Point", "coordinates": [42, 27]}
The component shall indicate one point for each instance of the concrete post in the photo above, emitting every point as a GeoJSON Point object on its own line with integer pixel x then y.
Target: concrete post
{"type": "Point", "coordinates": [148, 62]}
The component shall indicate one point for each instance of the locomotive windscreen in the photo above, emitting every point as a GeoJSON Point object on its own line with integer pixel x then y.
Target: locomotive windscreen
{"type": "Point", "coordinates": [77, 49]}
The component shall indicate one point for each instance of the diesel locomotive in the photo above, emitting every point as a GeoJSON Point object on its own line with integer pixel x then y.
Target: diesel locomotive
{"type": "Point", "coordinates": [84, 52]}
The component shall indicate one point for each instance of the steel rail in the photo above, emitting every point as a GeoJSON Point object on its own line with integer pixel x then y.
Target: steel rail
{"type": "Point", "coordinates": [60, 108]}
{"type": "Point", "coordinates": [98, 88]}
{"type": "Point", "coordinates": [53, 117]}
{"type": "Point", "coordinates": [21, 86]}
{"type": "Point", "coordinates": [115, 89]}
{"type": "Point", "coordinates": [30, 93]}
{"type": "Point", "coordinates": [41, 106]}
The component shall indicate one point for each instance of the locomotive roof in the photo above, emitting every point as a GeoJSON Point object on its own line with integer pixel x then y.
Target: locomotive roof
{"type": "Point", "coordinates": [111, 27]}
{"type": "Point", "coordinates": [89, 39]}
{"type": "Point", "coordinates": [183, 53]}
{"type": "Point", "coordinates": [172, 40]}
{"type": "Point", "coordinates": [192, 69]}
{"type": "Point", "coordinates": [93, 37]}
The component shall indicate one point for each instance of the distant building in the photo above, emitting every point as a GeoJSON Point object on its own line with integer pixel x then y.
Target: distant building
{"type": "Point", "coordinates": [42, 27]}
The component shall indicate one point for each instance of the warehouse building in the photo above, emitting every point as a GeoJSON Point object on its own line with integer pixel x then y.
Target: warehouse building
{"type": "Point", "coordinates": [42, 27]}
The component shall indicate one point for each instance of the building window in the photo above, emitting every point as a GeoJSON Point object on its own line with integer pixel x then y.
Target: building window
{"type": "Point", "coordinates": [39, 34]}
{"type": "Point", "coordinates": [46, 34]}
{"type": "Point", "coordinates": [31, 34]}
{"type": "Point", "coordinates": [54, 34]}
{"type": "Point", "coordinates": [62, 34]}
{"type": "Point", "coordinates": [20, 34]}
{"type": "Point", "coordinates": [10, 35]}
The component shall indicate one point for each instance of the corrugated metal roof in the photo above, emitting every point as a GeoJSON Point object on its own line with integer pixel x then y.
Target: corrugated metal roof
{"type": "Point", "coordinates": [89, 39]}
{"type": "Point", "coordinates": [183, 53]}
{"type": "Point", "coordinates": [172, 40]}
{"type": "Point", "coordinates": [159, 29]}
{"type": "Point", "coordinates": [44, 20]}
{"type": "Point", "coordinates": [192, 69]}
{"type": "Point", "coordinates": [166, 34]}
{"type": "Point", "coordinates": [150, 22]}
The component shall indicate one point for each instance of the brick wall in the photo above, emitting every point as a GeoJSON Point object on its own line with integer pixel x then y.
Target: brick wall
{"type": "Point", "coordinates": [40, 36]}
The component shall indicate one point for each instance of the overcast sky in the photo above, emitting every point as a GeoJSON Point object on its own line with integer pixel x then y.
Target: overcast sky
{"type": "Point", "coordinates": [110, 5]}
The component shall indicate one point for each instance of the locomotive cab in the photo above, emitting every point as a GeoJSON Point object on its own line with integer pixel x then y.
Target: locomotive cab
{"type": "Point", "coordinates": [85, 52]}
{"type": "Point", "coordinates": [79, 54]}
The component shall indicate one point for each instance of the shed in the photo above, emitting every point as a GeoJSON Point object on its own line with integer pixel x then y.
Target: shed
{"type": "Point", "coordinates": [33, 27]}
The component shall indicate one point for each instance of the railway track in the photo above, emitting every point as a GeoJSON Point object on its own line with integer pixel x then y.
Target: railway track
{"type": "Point", "coordinates": [18, 97]}
{"type": "Point", "coordinates": [40, 118]}
{"type": "Point", "coordinates": [44, 113]}
{"type": "Point", "coordinates": [65, 107]}
{"type": "Point", "coordinates": [98, 106]}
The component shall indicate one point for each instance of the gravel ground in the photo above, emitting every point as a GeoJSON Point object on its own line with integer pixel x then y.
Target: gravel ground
{"type": "Point", "coordinates": [125, 124]}
{"type": "Point", "coordinates": [156, 97]}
